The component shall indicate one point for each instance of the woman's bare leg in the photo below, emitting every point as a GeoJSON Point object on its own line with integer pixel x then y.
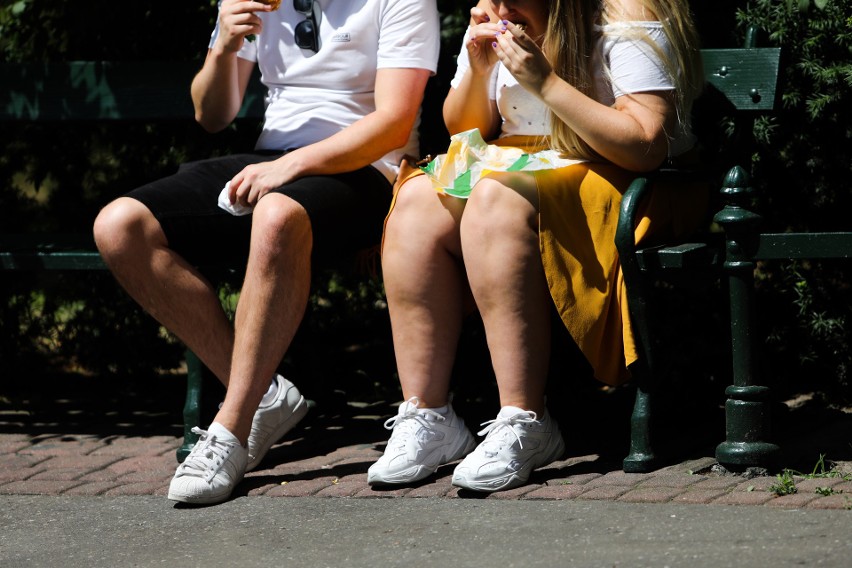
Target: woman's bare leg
{"type": "Point", "coordinates": [426, 289]}
{"type": "Point", "coordinates": [499, 236]}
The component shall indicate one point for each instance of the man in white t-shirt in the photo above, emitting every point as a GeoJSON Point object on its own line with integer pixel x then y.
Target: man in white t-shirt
{"type": "Point", "coordinates": [345, 81]}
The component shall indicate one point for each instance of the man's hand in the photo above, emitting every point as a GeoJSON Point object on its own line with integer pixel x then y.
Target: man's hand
{"type": "Point", "coordinates": [238, 19]}
{"type": "Point", "coordinates": [256, 180]}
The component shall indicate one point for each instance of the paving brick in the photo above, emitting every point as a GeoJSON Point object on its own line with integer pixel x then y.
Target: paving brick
{"type": "Point", "coordinates": [699, 496]}
{"type": "Point", "coordinates": [64, 446]}
{"type": "Point", "coordinates": [89, 489]}
{"type": "Point", "coordinates": [59, 474]}
{"type": "Point", "coordinates": [300, 488]}
{"type": "Point", "coordinates": [671, 480]}
{"type": "Point", "coordinates": [616, 479]}
{"type": "Point", "coordinates": [606, 493]}
{"type": "Point", "coordinates": [342, 489]}
{"type": "Point", "coordinates": [85, 463]}
{"type": "Point", "coordinates": [577, 479]}
{"type": "Point", "coordinates": [795, 501]}
{"type": "Point", "coordinates": [437, 489]}
{"type": "Point", "coordinates": [744, 498]}
{"type": "Point", "coordinates": [127, 446]}
{"type": "Point", "coordinates": [651, 495]}
{"type": "Point", "coordinates": [142, 463]}
{"type": "Point", "coordinates": [757, 484]}
{"type": "Point", "coordinates": [839, 501]}
{"type": "Point", "coordinates": [512, 494]}
{"type": "Point", "coordinates": [550, 491]}
{"type": "Point", "coordinates": [810, 485]}
{"type": "Point", "coordinates": [723, 482]}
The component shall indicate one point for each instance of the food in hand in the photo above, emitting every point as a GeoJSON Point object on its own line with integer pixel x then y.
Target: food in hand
{"type": "Point", "coordinates": [274, 3]}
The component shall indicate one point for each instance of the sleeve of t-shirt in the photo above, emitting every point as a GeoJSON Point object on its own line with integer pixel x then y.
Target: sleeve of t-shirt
{"type": "Point", "coordinates": [410, 35]}
{"type": "Point", "coordinates": [463, 64]}
{"type": "Point", "coordinates": [249, 49]}
{"type": "Point", "coordinates": [635, 66]}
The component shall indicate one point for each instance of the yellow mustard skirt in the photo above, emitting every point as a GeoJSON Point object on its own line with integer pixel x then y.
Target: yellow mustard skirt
{"type": "Point", "coordinates": [579, 209]}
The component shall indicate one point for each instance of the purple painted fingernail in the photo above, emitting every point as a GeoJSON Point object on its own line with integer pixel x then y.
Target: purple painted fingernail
{"type": "Point", "coordinates": [494, 44]}
{"type": "Point", "coordinates": [505, 22]}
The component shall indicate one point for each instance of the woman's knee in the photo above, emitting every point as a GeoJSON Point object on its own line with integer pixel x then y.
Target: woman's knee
{"type": "Point", "coordinates": [496, 211]}
{"type": "Point", "coordinates": [419, 214]}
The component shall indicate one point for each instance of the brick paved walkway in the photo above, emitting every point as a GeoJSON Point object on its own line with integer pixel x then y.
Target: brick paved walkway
{"type": "Point", "coordinates": [328, 457]}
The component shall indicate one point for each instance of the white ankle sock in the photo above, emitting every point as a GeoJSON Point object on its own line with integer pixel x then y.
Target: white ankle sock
{"type": "Point", "coordinates": [441, 409]}
{"type": "Point", "coordinates": [270, 395]}
{"type": "Point", "coordinates": [222, 433]}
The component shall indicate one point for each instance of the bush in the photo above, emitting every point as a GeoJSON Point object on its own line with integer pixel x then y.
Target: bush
{"type": "Point", "coordinates": [801, 169]}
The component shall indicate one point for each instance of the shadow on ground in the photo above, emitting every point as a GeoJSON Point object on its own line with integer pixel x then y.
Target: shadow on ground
{"type": "Point", "coordinates": [594, 420]}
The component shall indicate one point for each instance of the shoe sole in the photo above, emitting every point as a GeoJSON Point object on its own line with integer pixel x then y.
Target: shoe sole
{"type": "Point", "coordinates": [516, 479]}
{"type": "Point", "coordinates": [203, 499]}
{"type": "Point", "coordinates": [422, 471]}
{"type": "Point", "coordinates": [298, 413]}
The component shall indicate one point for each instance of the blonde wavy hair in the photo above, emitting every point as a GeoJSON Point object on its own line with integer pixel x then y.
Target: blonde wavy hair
{"type": "Point", "coordinates": [570, 40]}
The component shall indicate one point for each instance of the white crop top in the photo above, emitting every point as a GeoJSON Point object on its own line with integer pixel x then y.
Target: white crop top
{"type": "Point", "coordinates": [634, 68]}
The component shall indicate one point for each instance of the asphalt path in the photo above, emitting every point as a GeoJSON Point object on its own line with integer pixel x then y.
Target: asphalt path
{"type": "Point", "coordinates": [353, 533]}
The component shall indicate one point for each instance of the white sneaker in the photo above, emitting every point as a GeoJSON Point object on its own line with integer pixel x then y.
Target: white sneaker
{"type": "Point", "coordinates": [212, 469]}
{"type": "Point", "coordinates": [421, 442]}
{"type": "Point", "coordinates": [272, 421]}
{"type": "Point", "coordinates": [515, 444]}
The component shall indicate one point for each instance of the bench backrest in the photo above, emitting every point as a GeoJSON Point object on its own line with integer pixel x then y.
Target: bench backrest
{"type": "Point", "coordinates": [98, 90]}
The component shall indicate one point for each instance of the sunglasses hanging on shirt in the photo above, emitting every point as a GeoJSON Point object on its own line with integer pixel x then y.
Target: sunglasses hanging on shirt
{"type": "Point", "coordinates": [307, 31]}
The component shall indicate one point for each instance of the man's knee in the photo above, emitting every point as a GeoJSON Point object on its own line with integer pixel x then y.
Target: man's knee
{"type": "Point", "coordinates": [122, 225]}
{"type": "Point", "coordinates": [280, 224]}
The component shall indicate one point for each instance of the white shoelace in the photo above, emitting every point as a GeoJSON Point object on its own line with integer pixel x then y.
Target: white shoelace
{"type": "Point", "coordinates": [408, 421]}
{"type": "Point", "coordinates": [494, 428]}
{"type": "Point", "coordinates": [207, 456]}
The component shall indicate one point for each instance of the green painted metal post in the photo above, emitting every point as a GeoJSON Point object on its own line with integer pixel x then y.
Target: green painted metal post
{"type": "Point", "coordinates": [747, 408]}
{"type": "Point", "coordinates": [192, 405]}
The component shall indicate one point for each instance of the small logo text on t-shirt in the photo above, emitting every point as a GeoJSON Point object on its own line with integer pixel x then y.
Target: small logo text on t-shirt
{"type": "Point", "coordinates": [342, 37]}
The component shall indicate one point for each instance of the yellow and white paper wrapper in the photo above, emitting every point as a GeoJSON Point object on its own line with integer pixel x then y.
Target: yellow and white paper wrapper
{"type": "Point", "coordinates": [469, 158]}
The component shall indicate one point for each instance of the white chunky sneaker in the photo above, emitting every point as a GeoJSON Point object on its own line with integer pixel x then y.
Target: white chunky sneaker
{"type": "Point", "coordinates": [422, 440]}
{"type": "Point", "coordinates": [515, 444]}
{"type": "Point", "coordinates": [275, 419]}
{"type": "Point", "coordinates": [212, 469]}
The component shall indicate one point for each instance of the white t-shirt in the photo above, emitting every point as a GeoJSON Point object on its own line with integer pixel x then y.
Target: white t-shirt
{"type": "Point", "coordinates": [315, 95]}
{"type": "Point", "coordinates": [634, 68]}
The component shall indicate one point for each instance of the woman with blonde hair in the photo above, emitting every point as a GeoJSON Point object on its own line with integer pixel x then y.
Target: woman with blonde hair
{"type": "Point", "coordinates": [573, 95]}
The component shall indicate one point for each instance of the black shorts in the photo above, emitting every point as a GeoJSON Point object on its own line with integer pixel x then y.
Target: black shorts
{"type": "Point", "coordinates": [347, 210]}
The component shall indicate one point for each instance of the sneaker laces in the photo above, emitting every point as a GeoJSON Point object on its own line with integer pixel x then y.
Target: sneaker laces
{"type": "Point", "coordinates": [405, 424]}
{"type": "Point", "coordinates": [207, 456]}
{"type": "Point", "coordinates": [496, 430]}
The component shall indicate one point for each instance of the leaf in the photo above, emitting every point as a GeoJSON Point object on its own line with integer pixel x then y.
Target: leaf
{"type": "Point", "coordinates": [821, 4]}
{"type": "Point", "coordinates": [803, 5]}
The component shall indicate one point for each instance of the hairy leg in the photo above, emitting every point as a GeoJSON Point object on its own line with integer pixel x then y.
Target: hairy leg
{"type": "Point", "coordinates": [426, 289]}
{"type": "Point", "coordinates": [499, 235]}
{"type": "Point", "coordinates": [271, 306]}
{"type": "Point", "coordinates": [135, 249]}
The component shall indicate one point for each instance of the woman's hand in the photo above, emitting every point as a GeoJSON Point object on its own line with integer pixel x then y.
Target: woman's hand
{"type": "Point", "coordinates": [256, 180]}
{"type": "Point", "coordinates": [523, 58]}
{"type": "Point", "coordinates": [483, 33]}
{"type": "Point", "coordinates": [237, 19]}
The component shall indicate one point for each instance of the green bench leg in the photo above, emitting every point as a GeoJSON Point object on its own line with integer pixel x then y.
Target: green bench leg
{"type": "Point", "coordinates": [192, 405]}
{"type": "Point", "coordinates": [641, 458]}
{"type": "Point", "coordinates": [747, 407]}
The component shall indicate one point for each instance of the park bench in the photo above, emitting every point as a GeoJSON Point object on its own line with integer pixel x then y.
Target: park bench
{"type": "Point", "coordinates": [93, 91]}
{"type": "Point", "coordinates": [740, 80]}
{"type": "Point", "coordinates": [744, 81]}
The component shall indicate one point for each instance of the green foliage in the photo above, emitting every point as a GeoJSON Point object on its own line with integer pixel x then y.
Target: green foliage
{"type": "Point", "coordinates": [801, 168]}
{"type": "Point", "coordinates": [786, 480]}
